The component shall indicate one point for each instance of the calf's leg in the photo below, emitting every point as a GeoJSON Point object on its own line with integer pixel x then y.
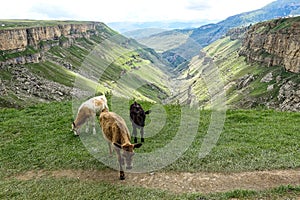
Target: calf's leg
{"type": "Point", "coordinates": [121, 162]}
{"type": "Point", "coordinates": [93, 124]}
{"type": "Point", "coordinates": [87, 124]}
{"type": "Point", "coordinates": [109, 148]}
{"type": "Point", "coordinates": [134, 132]}
{"type": "Point", "coordinates": [142, 134]}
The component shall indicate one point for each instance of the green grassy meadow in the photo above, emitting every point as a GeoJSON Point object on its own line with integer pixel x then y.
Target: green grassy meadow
{"type": "Point", "coordinates": [39, 138]}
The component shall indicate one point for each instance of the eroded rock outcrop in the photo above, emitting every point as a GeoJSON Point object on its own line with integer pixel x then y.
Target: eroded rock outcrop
{"type": "Point", "coordinates": [27, 45]}
{"type": "Point", "coordinates": [237, 33]}
{"type": "Point", "coordinates": [274, 43]}
{"type": "Point", "coordinates": [19, 39]}
{"type": "Point", "coordinates": [245, 81]}
{"type": "Point", "coordinates": [31, 58]}
{"type": "Point", "coordinates": [25, 84]}
{"type": "Point", "coordinates": [289, 96]}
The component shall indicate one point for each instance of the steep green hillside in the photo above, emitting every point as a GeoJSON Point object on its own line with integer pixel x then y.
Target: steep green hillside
{"type": "Point", "coordinates": [162, 42]}
{"type": "Point", "coordinates": [82, 63]}
{"type": "Point", "coordinates": [246, 84]}
{"type": "Point", "coordinates": [269, 80]}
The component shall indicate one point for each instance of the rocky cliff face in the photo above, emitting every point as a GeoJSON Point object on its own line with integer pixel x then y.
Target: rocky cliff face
{"type": "Point", "coordinates": [20, 46]}
{"type": "Point", "coordinates": [275, 42]}
{"type": "Point", "coordinates": [38, 40]}
{"type": "Point", "coordinates": [237, 33]}
{"type": "Point", "coordinates": [13, 39]}
{"type": "Point", "coordinates": [19, 39]}
{"type": "Point", "coordinates": [289, 96]}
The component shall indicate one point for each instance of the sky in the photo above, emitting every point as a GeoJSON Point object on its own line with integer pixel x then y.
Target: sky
{"type": "Point", "coordinates": [127, 10]}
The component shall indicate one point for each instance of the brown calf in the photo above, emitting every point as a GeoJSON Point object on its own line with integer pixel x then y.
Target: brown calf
{"type": "Point", "coordinates": [115, 131]}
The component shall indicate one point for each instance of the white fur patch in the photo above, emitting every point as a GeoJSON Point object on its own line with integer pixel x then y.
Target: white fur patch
{"type": "Point", "coordinates": [95, 104]}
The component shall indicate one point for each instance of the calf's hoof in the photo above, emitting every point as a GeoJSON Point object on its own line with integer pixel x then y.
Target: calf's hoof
{"type": "Point", "coordinates": [142, 140]}
{"type": "Point", "coordinates": [135, 139]}
{"type": "Point", "coordinates": [122, 175]}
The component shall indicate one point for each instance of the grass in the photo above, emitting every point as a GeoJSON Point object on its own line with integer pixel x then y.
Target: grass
{"type": "Point", "coordinates": [251, 140]}
{"type": "Point", "coordinates": [5, 55]}
{"type": "Point", "coordinates": [286, 23]}
{"type": "Point", "coordinates": [64, 188]}
{"type": "Point", "coordinates": [24, 141]}
{"type": "Point", "coordinates": [53, 72]}
{"type": "Point", "coordinates": [75, 189]}
{"type": "Point", "coordinates": [39, 138]}
{"type": "Point", "coordinates": [13, 24]}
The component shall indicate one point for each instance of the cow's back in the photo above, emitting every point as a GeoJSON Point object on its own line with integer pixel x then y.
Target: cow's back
{"type": "Point", "coordinates": [137, 115]}
{"type": "Point", "coordinates": [113, 127]}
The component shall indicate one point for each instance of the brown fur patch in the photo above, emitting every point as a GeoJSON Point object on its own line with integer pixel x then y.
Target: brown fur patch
{"type": "Point", "coordinates": [114, 128]}
{"type": "Point", "coordinates": [98, 102]}
{"type": "Point", "coordinates": [82, 116]}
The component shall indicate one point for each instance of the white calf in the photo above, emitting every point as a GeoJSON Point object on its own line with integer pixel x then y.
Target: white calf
{"type": "Point", "coordinates": [87, 112]}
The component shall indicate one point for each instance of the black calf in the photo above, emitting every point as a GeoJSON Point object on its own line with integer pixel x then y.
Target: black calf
{"type": "Point", "coordinates": [137, 117]}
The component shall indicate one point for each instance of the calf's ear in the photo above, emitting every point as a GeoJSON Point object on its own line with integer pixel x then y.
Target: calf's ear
{"type": "Point", "coordinates": [148, 112]}
{"type": "Point", "coordinates": [137, 145]}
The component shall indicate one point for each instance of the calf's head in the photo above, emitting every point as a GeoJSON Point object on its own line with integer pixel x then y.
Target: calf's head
{"type": "Point", "coordinates": [75, 129]}
{"type": "Point", "coordinates": [128, 152]}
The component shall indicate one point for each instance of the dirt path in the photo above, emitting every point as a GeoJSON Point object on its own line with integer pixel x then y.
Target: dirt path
{"type": "Point", "coordinates": [180, 182]}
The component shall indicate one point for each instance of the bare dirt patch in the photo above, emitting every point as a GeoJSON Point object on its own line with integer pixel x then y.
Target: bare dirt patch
{"type": "Point", "coordinates": [180, 182]}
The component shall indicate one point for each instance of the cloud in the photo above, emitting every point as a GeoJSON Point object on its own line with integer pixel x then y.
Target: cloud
{"type": "Point", "coordinates": [129, 10]}
{"type": "Point", "coordinates": [198, 5]}
{"type": "Point", "coordinates": [51, 11]}
{"type": "Point", "coordinates": [216, 10]}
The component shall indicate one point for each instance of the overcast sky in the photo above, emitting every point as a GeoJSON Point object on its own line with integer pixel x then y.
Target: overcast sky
{"type": "Point", "coordinates": [127, 10]}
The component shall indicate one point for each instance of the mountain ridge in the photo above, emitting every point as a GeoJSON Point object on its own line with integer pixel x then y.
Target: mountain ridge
{"type": "Point", "coordinates": [202, 36]}
{"type": "Point", "coordinates": [126, 27]}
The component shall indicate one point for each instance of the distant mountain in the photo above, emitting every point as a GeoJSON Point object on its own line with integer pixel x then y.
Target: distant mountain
{"type": "Point", "coordinates": [124, 27]}
{"type": "Point", "coordinates": [198, 38]}
{"type": "Point", "coordinates": [143, 33]}
{"type": "Point", "coordinates": [205, 35]}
